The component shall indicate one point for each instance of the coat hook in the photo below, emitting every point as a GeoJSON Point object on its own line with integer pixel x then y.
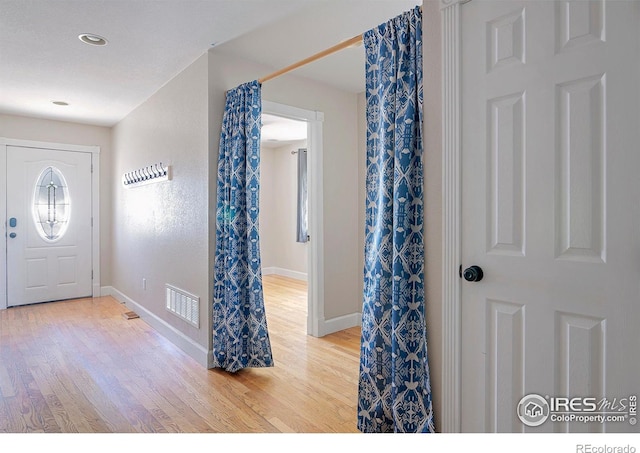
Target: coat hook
{"type": "Point", "coordinates": [145, 174]}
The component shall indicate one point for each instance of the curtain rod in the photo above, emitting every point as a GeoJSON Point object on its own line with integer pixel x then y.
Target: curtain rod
{"type": "Point", "coordinates": [343, 45]}
{"type": "Point", "coordinates": [356, 40]}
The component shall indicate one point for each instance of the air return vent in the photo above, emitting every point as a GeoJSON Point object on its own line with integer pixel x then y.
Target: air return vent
{"type": "Point", "coordinates": [183, 305]}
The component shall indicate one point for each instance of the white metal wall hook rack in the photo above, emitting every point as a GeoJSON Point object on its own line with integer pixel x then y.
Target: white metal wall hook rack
{"type": "Point", "coordinates": [147, 175]}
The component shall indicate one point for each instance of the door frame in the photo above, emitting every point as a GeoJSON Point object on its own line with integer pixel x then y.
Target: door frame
{"type": "Point", "coordinates": [451, 20]}
{"type": "Point", "coordinates": [95, 206]}
{"type": "Point", "coordinates": [315, 252]}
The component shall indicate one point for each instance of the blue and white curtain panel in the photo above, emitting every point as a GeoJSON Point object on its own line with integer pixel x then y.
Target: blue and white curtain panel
{"type": "Point", "coordinates": [240, 336]}
{"type": "Point", "coordinates": [394, 392]}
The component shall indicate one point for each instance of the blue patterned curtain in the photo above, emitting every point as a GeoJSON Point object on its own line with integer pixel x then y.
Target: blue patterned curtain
{"type": "Point", "coordinates": [240, 337]}
{"type": "Point", "coordinates": [394, 388]}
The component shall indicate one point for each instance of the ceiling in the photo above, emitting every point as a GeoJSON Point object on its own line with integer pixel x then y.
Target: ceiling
{"type": "Point", "coordinates": [314, 29]}
{"type": "Point", "coordinates": [150, 41]}
{"type": "Point", "coordinates": [277, 131]}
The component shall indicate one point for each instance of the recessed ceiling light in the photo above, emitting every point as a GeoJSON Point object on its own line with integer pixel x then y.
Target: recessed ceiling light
{"type": "Point", "coordinates": [60, 103]}
{"type": "Point", "coordinates": [93, 40]}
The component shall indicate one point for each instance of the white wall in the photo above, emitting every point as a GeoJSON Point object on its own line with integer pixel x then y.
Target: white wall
{"type": "Point", "coordinates": [160, 230]}
{"type": "Point", "coordinates": [26, 128]}
{"type": "Point", "coordinates": [340, 160]}
{"type": "Point", "coordinates": [278, 211]}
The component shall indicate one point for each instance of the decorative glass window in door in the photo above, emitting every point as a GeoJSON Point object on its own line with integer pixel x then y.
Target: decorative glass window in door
{"type": "Point", "coordinates": [51, 205]}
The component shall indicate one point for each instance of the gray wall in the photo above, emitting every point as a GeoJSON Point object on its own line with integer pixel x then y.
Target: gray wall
{"type": "Point", "coordinates": [160, 230]}
{"type": "Point", "coordinates": [26, 128]}
{"type": "Point", "coordinates": [433, 193]}
{"type": "Point", "coordinates": [278, 209]}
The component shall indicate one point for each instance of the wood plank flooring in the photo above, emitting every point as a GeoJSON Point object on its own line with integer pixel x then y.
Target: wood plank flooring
{"type": "Point", "coordinates": [80, 367]}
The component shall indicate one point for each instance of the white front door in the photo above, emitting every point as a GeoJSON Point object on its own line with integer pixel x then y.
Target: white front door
{"type": "Point", "coordinates": [49, 253]}
{"type": "Point", "coordinates": [551, 214]}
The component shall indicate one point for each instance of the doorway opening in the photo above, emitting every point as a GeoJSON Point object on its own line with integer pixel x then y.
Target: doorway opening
{"type": "Point", "coordinates": [283, 217]}
{"type": "Point", "coordinates": [305, 259]}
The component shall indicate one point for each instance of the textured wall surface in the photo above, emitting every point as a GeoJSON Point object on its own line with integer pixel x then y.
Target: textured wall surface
{"type": "Point", "coordinates": [160, 230]}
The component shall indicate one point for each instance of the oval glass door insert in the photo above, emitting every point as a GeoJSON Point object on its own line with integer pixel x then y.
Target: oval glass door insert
{"type": "Point", "coordinates": [51, 205]}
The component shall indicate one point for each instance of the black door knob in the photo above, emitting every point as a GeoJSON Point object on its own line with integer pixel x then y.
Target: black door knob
{"type": "Point", "coordinates": [473, 274]}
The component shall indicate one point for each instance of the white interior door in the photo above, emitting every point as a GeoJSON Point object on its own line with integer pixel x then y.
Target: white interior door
{"type": "Point", "coordinates": [550, 212]}
{"type": "Point", "coordinates": [48, 225]}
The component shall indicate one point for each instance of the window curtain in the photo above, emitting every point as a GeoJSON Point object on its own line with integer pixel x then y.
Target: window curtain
{"type": "Point", "coordinates": [301, 223]}
{"type": "Point", "coordinates": [394, 392]}
{"type": "Point", "coordinates": [240, 336]}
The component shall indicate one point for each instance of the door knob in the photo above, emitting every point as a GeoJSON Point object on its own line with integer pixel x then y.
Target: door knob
{"type": "Point", "coordinates": [12, 235]}
{"type": "Point", "coordinates": [473, 274]}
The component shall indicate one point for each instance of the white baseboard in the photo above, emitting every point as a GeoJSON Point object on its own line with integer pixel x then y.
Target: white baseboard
{"type": "Point", "coordinates": [340, 323]}
{"type": "Point", "coordinates": [284, 272]}
{"type": "Point", "coordinates": [190, 347]}
{"type": "Point", "coordinates": [325, 327]}
{"type": "Point", "coordinates": [196, 351]}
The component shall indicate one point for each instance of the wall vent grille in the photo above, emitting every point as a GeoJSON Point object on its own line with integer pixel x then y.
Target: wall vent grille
{"type": "Point", "coordinates": [184, 305]}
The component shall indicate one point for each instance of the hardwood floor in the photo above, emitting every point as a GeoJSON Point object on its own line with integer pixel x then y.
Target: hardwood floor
{"type": "Point", "coordinates": [79, 366]}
